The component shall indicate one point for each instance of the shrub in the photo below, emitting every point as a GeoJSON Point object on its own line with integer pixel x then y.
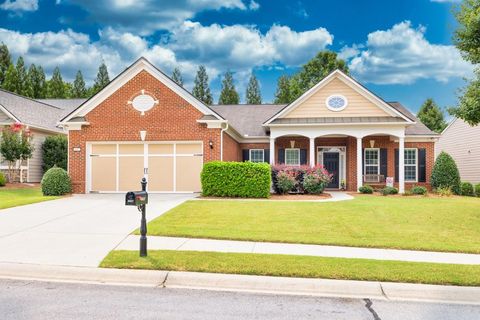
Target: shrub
{"type": "Point", "coordinates": [56, 182]}
{"type": "Point", "coordinates": [236, 179]}
{"type": "Point", "coordinates": [55, 150]}
{"type": "Point", "coordinates": [445, 173]}
{"type": "Point", "coordinates": [389, 190]}
{"type": "Point", "coordinates": [313, 183]}
{"type": "Point", "coordinates": [318, 178]}
{"type": "Point", "coordinates": [285, 182]}
{"type": "Point", "coordinates": [297, 172]}
{"type": "Point", "coordinates": [366, 189]}
{"type": "Point", "coordinates": [444, 191]}
{"type": "Point", "coordinates": [466, 189]}
{"type": "Point", "coordinates": [477, 189]}
{"type": "Point", "coordinates": [419, 190]}
{"type": "Point", "coordinates": [3, 180]}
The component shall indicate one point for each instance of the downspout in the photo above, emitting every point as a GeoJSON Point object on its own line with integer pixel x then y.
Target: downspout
{"type": "Point", "coordinates": [221, 141]}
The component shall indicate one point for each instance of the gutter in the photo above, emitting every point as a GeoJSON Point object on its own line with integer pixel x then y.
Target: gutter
{"type": "Point", "coordinates": [221, 141]}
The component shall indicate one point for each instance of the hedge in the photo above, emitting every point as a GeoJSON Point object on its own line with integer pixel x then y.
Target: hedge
{"type": "Point", "coordinates": [3, 180]}
{"type": "Point", "coordinates": [56, 182]}
{"type": "Point", "coordinates": [236, 179]}
{"type": "Point", "coordinates": [445, 173]}
{"type": "Point", "coordinates": [466, 189]}
{"type": "Point", "coordinates": [54, 152]}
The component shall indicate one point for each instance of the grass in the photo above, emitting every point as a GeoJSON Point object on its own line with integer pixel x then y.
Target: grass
{"type": "Point", "coordinates": [21, 196]}
{"type": "Point", "coordinates": [417, 223]}
{"type": "Point", "coordinates": [297, 266]}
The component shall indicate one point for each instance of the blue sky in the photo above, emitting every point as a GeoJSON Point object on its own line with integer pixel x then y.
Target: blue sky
{"type": "Point", "coordinates": [401, 50]}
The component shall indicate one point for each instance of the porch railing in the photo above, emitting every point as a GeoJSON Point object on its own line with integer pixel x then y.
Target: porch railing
{"type": "Point", "coordinates": [373, 178]}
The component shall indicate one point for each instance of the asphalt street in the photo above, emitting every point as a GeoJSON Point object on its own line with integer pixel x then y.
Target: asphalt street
{"type": "Point", "coordinates": [48, 300]}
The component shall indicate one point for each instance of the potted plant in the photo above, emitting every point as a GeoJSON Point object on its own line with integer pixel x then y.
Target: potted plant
{"type": "Point", "coordinates": [343, 185]}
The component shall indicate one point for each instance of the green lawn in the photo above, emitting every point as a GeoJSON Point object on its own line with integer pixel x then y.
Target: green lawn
{"type": "Point", "coordinates": [297, 266]}
{"type": "Point", "coordinates": [419, 223]}
{"type": "Point", "coordinates": [18, 197]}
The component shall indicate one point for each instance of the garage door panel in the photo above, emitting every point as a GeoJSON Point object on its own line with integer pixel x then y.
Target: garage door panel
{"type": "Point", "coordinates": [190, 148]}
{"type": "Point", "coordinates": [130, 149]}
{"type": "Point", "coordinates": [130, 173]}
{"type": "Point", "coordinates": [103, 173]}
{"type": "Point", "coordinates": [188, 170]}
{"type": "Point", "coordinates": [160, 149]}
{"type": "Point", "coordinates": [160, 173]}
{"type": "Point", "coordinates": [104, 149]}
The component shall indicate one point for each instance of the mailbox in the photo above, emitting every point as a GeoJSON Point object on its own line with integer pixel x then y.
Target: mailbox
{"type": "Point", "coordinates": [136, 198]}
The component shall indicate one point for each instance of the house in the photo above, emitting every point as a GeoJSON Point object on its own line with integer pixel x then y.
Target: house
{"type": "Point", "coordinates": [41, 118]}
{"type": "Point", "coordinates": [144, 124]}
{"type": "Point", "coordinates": [460, 140]}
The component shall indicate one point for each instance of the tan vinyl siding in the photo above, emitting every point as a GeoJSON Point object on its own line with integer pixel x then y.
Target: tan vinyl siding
{"type": "Point", "coordinates": [35, 163]}
{"type": "Point", "coordinates": [358, 105]}
{"type": "Point", "coordinates": [461, 141]}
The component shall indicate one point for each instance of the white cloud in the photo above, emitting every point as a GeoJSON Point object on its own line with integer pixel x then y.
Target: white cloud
{"type": "Point", "coordinates": [20, 5]}
{"type": "Point", "coordinates": [253, 5]}
{"type": "Point", "coordinates": [402, 55]}
{"type": "Point", "coordinates": [446, 1]}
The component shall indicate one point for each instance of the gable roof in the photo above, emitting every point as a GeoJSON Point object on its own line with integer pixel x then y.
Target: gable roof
{"type": "Point", "coordinates": [338, 74]}
{"type": "Point", "coordinates": [131, 71]}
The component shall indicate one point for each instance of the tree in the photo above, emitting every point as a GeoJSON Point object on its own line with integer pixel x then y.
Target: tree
{"type": "Point", "coordinates": [201, 90]}
{"type": "Point", "coordinates": [15, 147]}
{"type": "Point", "coordinates": [10, 82]}
{"type": "Point", "coordinates": [253, 94]}
{"type": "Point", "coordinates": [228, 95]}
{"type": "Point", "coordinates": [56, 87]}
{"type": "Point", "coordinates": [79, 90]}
{"type": "Point", "coordinates": [102, 78]}
{"type": "Point", "coordinates": [28, 91]}
{"type": "Point", "coordinates": [445, 173]}
{"type": "Point", "coordinates": [282, 95]}
{"type": "Point", "coordinates": [22, 76]}
{"type": "Point", "coordinates": [54, 150]}
{"type": "Point", "coordinates": [36, 82]}
{"type": "Point", "coordinates": [177, 77]}
{"type": "Point", "coordinates": [5, 62]}
{"type": "Point", "coordinates": [432, 116]}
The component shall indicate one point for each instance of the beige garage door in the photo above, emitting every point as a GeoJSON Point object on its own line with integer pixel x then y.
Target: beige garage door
{"type": "Point", "coordinates": [169, 167]}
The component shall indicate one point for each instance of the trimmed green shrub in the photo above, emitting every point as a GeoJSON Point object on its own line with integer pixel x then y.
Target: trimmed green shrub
{"type": "Point", "coordinates": [3, 180]}
{"type": "Point", "coordinates": [365, 189]}
{"type": "Point", "coordinates": [285, 182]}
{"type": "Point", "coordinates": [444, 191]}
{"type": "Point", "coordinates": [56, 182]}
{"type": "Point", "coordinates": [55, 149]}
{"type": "Point", "coordinates": [236, 179]}
{"type": "Point", "coordinates": [477, 189]}
{"type": "Point", "coordinates": [389, 190]}
{"type": "Point", "coordinates": [466, 189]}
{"type": "Point", "coordinates": [419, 190]}
{"type": "Point", "coordinates": [313, 183]}
{"type": "Point", "coordinates": [445, 173]}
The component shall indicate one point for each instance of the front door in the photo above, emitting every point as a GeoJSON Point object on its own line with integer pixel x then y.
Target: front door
{"type": "Point", "coordinates": [331, 163]}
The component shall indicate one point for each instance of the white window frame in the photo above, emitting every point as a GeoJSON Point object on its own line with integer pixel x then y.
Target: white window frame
{"type": "Point", "coordinates": [250, 155]}
{"type": "Point", "coordinates": [411, 165]}
{"type": "Point", "coordinates": [298, 152]}
{"type": "Point", "coordinates": [365, 165]}
{"type": "Point", "coordinates": [336, 96]}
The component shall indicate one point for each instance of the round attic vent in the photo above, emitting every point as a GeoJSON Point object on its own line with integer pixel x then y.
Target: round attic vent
{"type": "Point", "coordinates": [336, 102]}
{"type": "Point", "coordinates": [143, 102]}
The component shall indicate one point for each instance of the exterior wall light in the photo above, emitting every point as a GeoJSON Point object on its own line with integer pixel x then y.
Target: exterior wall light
{"type": "Point", "coordinates": [143, 135]}
{"type": "Point", "coordinates": [210, 143]}
{"type": "Point", "coordinates": [372, 143]}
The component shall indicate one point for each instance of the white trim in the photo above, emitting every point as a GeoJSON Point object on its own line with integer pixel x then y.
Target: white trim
{"type": "Point", "coordinates": [366, 124]}
{"type": "Point", "coordinates": [299, 160]}
{"type": "Point", "coordinates": [8, 113]}
{"type": "Point", "coordinates": [336, 96]}
{"type": "Point", "coordinates": [250, 155]}
{"type": "Point", "coordinates": [342, 155]}
{"type": "Point", "coordinates": [371, 165]}
{"type": "Point", "coordinates": [411, 165]}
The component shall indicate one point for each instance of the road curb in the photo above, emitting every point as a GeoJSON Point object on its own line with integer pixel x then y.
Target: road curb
{"type": "Point", "coordinates": [244, 283]}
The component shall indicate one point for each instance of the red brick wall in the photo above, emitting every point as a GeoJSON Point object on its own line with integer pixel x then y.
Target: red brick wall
{"type": "Point", "coordinates": [231, 148]}
{"type": "Point", "coordinates": [114, 120]}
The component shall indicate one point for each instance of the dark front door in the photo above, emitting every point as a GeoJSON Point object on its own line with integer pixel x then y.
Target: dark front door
{"type": "Point", "coordinates": [331, 163]}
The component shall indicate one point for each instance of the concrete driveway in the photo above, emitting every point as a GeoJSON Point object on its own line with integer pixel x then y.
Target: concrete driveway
{"type": "Point", "coordinates": [75, 231]}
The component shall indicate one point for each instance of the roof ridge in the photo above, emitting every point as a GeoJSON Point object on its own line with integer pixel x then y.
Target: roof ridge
{"type": "Point", "coordinates": [28, 98]}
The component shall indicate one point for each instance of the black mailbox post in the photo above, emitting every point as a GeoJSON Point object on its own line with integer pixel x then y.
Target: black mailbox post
{"type": "Point", "coordinates": [140, 200]}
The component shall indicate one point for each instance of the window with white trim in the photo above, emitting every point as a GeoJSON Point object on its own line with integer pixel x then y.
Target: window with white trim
{"type": "Point", "coordinates": [372, 161]}
{"type": "Point", "coordinates": [411, 162]}
{"type": "Point", "coordinates": [292, 157]}
{"type": "Point", "coordinates": [256, 155]}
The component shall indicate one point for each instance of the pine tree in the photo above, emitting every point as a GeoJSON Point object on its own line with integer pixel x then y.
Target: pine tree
{"type": "Point", "coordinates": [228, 95]}
{"type": "Point", "coordinates": [253, 94]}
{"type": "Point", "coordinates": [78, 89]}
{"type": "Point", "coordinates": [56, 87]}
{"type": "Point", "coordinates": [102, 78]}
{"type": "Point", "coordinates": [37, 79]}
{"type": "Point", "coordinates": [5, 62]}
{"type": "Point", "coordinates": [10, 83]}
{"type": "Point", "coordinates": [29, 92]}
{"type": "Point", "coordinates": [432, 116]}
{"type": "Point", "coordinates": [201, 89]}
{"type": "Point", "coordinates": [282, 95]}
{"type": "Point", "coordinates": [177, 76]}
{"type": "Point", "coordinates": [22, 76]}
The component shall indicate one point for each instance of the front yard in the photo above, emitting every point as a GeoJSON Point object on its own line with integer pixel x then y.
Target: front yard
{"type": "Point", "coordinates": [417, 223]}
{"type": "Point", "coordinates": [13, 197]}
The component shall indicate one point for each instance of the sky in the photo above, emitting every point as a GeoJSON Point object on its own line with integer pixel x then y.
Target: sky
{"type": "Point", "coordinates": [401, 50]}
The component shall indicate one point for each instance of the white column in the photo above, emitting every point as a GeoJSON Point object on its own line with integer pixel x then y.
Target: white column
{"type": "Point", "coordinates": [312, 152]}
{"type": "Point", "coordinates": [401, 165]}
{"type": "Point", "coordinates": [359, 163]}
{"type": "Point", "coordinates": [272, 151]}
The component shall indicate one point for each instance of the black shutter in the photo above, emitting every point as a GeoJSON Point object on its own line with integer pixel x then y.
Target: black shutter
{"type": "Point", "coordinates": [422, 174]}
{"type": "Point", "coordinates": [281, 156]}
{"type": "Point", "coordinates": [363, 161]}
{"type": "Point", "coordinates": [303, 156]}
{"type": "Point", "coordinates": [383, 161]}
{"type": "Point", "coordinates": [246, 154]}
{"type": "Point", "coordinates": [396, 165]}
{"type": "Point", "coordinates": [266, 155]}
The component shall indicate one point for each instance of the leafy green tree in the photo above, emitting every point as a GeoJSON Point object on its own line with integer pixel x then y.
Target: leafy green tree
{"type": "Point", "coordinates": [5, 62]}
{"type": "Point", "coordinates": [22, 76]}
{"type": "Point", "coordinates": [445, 173]}
{"type": "Point", "coordinates": [102, 78]}
{"type": "Point", "coordinates": [282, 95]}
{"type": "Point", "coordinates": [36, 82]}
{"type": "Point", "coordinates": [15, 147]}
{"type": "Point", "coordinates": [79, 90]}
{"type": "Point", "coordinates": [56, 87]}
{"type": "Point", "coordinates": [432, 116]}
{"type": "Point", "coordinates": [229, 94]}
{"type": "Point", "coordinates": [253, 94]}
{"type": "Point", "coordinates": [201, 89]}
{"type": "Point", "coordinates": [28, 91]}
{"type": "Point", "coordinates": [10, 83]}
{"type": "Point", "coordinates": [177, 77]}
{"type": "Point", "coordinates": [54, 150]}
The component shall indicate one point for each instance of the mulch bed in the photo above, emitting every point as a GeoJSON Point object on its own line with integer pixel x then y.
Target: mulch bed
{"type": "Point", "coordinates": [428, 195]}
{"type": "Point", "coordinates": [298, 197]}
{"type": "Point", "coordinates": [20, 186]}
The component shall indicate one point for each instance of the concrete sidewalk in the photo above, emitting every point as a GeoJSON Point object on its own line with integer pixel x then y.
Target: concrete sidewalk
{"type": "Point", "coordinates": [192, 244]}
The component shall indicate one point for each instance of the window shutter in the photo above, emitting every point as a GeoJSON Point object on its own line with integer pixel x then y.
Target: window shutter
{"type": "Point", "coordinates": [246, 154]}
{"type": "Point", "coordinates": [266, 155]}
{"type": "Point", "coordinates": [396, 165]}
{"type": "Point", "coordinates": [422, 174]}
{"type": "Point", "coordinates": [383, 161]}
{"type": "Point", "coordinates": [281, 156]}
{"type": "Point", "coordinates": [303, 156]}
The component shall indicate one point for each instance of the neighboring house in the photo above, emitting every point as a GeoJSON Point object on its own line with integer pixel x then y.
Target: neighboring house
{"type": "Point", "coordinates": [144, 125]}
{"type": "Point", "coordinates": [461, 141]}
{"type": "Point", "coordinates": [40, 118]}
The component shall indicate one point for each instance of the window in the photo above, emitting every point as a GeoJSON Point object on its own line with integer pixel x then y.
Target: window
{"type": "Point", "coordinates": [292, 157]}
{"type": "Point", "coordinates": [372, 161]}
{"type": "Point", "coordinates": [411, 164]}
{"type": "Point", "coordinates": [256, 155]}
{"type": "Point", "coordinates": [336, 102]}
